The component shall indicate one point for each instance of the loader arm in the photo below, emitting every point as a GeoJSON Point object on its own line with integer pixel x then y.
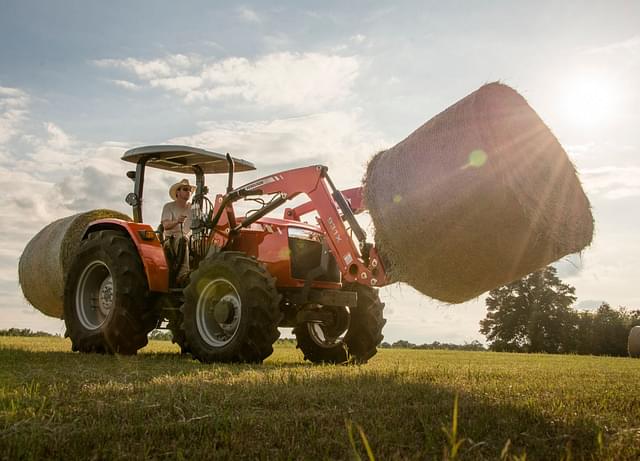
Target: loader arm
{"type": "Point", "coordinates": [357, 264]}
{"type": "Point", "coordinates": [354, 198]}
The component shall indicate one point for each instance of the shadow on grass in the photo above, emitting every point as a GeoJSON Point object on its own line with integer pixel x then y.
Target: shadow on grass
{"type": "Point", "coordinates": [166, 405]}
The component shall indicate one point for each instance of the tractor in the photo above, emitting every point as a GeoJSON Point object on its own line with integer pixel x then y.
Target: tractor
{"type": "Point", "coordinates": [250, 273]}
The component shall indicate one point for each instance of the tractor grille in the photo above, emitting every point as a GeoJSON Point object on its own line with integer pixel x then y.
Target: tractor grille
{"type": "Point", "coordinates": [306, 254]}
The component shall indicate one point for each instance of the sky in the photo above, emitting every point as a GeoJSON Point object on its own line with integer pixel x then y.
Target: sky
{"type": "Point", "coordinates": [290, 84]}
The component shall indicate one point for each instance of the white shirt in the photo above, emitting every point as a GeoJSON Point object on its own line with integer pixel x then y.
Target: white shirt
{"type": "Point", "coordinates": [171, 212]}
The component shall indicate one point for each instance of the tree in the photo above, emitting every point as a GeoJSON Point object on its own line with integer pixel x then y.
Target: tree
{"type": "Point", "coordinates": [605, 331]}
{"type": "Point", "coordinates": [532, 314]}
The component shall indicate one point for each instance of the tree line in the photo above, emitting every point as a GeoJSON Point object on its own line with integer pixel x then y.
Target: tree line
{"type": "Point", "coordinates": [437, 345]}
{"type": "Point", "coordinates": [24, 332]}
{"type": "Point", "coordinates": [535, 314]}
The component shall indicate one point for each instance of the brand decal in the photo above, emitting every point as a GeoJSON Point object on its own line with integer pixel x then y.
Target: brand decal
{"type": "Point", "coordinates": [261, 182]}
{"type": "Point", "coordinates": [334, 230]}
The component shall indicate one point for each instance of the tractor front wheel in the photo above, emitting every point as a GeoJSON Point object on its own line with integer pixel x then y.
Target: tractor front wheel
{"type": "Point", "coordinates": [351, 339]}
{"type": "Point", "coordinates": [105, 298]}
{"type": "Point", "coordinates": [365, 332]}
{"type": "Point", "coordinates": [324, 342]}
{"type": "Point", "coordinates": [231, 310]}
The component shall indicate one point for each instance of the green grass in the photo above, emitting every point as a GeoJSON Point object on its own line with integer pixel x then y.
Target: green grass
{"type": "Point", "coordinates": [56, 404]}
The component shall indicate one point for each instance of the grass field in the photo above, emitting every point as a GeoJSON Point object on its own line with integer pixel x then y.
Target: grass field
{"type": "Point", "coordinates": [56, 404]}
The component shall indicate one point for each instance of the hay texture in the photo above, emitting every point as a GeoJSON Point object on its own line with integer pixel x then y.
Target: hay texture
{"type": "Point", "coordinates": [47, 257]}
{"type": "Point", "coordinates": [634, 342]}
{"type": "Point", "coordinates": [479, 196]}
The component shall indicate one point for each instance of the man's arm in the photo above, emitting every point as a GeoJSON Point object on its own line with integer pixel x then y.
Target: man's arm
{"type": "Point", "coordinates": [168, 219]}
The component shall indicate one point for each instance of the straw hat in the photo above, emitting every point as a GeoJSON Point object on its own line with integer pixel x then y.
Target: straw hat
{"type": "Point", "coordinates": [173, 190]}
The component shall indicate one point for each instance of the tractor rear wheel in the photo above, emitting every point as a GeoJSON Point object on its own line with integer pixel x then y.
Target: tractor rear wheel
{"type": "Point", "coordinates": [353, 340]}
{"type": "Point", "coordinates": [105, 298]}
{"type": "Point", "coordinates": [231, 310]}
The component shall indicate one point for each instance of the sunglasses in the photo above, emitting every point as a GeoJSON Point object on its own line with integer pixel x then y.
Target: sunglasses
{"type": "Point", "coordinates": [185, 189]}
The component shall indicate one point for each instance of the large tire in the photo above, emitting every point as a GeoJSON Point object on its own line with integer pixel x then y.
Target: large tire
{"type": "Point", "coordinates": [324, 343]}
{"type": "Point", "coordinates": [179, 337]}
{"type": "Point", "coordinates": [363, 335]}
{"type": "Point", "coordinates": [365, 332]}
{"type": "Point", "coordinates": [231, 310]}
{"type": "Point", "coordinates": [105, 297]}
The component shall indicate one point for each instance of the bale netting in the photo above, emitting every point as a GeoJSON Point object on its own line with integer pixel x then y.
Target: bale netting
{"type": "Point", "coordinates": [46, 259]}
{"type": "Point", "coordinates": [634, 342]}
{"type": "Point", "coordinates": [479, 196]}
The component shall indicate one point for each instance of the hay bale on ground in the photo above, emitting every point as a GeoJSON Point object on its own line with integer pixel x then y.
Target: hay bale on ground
{"type": "Point", "coordinates": [46, 259]}
{"type": "Point", "coordinates": [480, 195]}
{"type": "Point", "coordinates": [634, 342]}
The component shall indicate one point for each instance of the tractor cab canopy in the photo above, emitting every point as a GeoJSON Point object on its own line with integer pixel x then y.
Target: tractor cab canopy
{"type": "Point", "coordinates": [183, 159]}
{"type": "Point", "coordinates": [178, 159]}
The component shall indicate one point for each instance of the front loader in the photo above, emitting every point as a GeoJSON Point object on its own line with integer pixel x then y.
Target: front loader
{"type": "Point", "coordinates": [250, 273]}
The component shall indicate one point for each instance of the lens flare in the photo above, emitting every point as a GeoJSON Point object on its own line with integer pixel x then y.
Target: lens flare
{"type": "Point", "coordinates": [477, 159]}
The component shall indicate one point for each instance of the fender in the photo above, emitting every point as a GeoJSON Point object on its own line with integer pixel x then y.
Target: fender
{"type": "Point", "coordinates": [149, 248]}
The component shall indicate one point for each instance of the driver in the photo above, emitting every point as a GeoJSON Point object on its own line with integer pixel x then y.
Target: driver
{"type": "Point", "coordinates": [176, 220]}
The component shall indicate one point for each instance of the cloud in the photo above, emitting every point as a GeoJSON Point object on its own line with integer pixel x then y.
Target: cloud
{"type": "Point", "coordinates": [249, 15]}
{"type": "Point", "coordinates": [341, 140]}
{"type": "Point", "coordinates": [170, 66]}
{"type": "Point", "coordinates": [575, 150]}
{"type": "Point", "coordinates": [13, 111]}
{"type": "Point", "coordinates": [630, 46]}
{"type": "Point", "coordinates": [612, 182]}
{"type": "Point", "coordinates": [91, 188]}
{"type": "Point", "coordinates": [277, 40]}
{"type": "Point", "coordinates": [569, 266]}
{"type": "Point", "coordinates": [127, 85]}
{"type": "Point", "coordinates": [589, 304]}
{"type": "Point", "coordinates": [58, 139]}
{"type": "Point", "coordinates": [184, 85]}
{"type": "Point", "coordinates": [46, 152]}
{"type": "Point", "coordinates": [301, 81]}
{"type": "Point", "coordinates": [52, 175]}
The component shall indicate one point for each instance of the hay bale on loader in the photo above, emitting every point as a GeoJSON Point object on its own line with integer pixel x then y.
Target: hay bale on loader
{"type": "Point", "coordinates": [480, 195]}
{"type": "Point", "coordinates": [46, 259]}
{"type": "Point", "coordinates": [633, 344]}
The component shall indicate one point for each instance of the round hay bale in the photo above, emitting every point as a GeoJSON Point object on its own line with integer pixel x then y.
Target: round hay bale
{"type": "Point", "coordinates": [479, 196]}
{"type": "Point", "coordinates": [634, 342]}
{"type": "Point", "coordinates": [46, 258]}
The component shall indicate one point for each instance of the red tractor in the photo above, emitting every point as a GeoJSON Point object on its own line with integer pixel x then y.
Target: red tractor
{"type": "Point", "coordinates": [250, 274]}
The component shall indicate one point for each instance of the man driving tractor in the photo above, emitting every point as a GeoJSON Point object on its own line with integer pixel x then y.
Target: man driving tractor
{"type": "Point", "coordinates": [176, 223]}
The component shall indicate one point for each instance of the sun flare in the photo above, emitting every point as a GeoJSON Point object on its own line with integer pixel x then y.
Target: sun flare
{"type": "Point", "coordinates": [589, 99]}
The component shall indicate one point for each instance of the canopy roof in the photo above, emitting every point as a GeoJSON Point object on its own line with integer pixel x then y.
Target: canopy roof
{"type": "Point", "coordinates": [181, 159]}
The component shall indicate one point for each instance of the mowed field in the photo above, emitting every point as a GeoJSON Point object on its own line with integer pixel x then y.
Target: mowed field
{"type": "Point", "coordinates": [56, 404]}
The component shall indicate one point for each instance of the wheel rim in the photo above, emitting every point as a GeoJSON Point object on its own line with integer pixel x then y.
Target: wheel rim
{"type": "Point", "coordinates": [328, 336]}
{"type": "Point", "coordinates": [218, 312]}
{"type": "Point", "coordinates": [94, 295]}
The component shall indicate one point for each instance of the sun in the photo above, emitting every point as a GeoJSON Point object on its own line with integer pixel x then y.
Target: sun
{"type": "Point", "coordinates": [589, 99]}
